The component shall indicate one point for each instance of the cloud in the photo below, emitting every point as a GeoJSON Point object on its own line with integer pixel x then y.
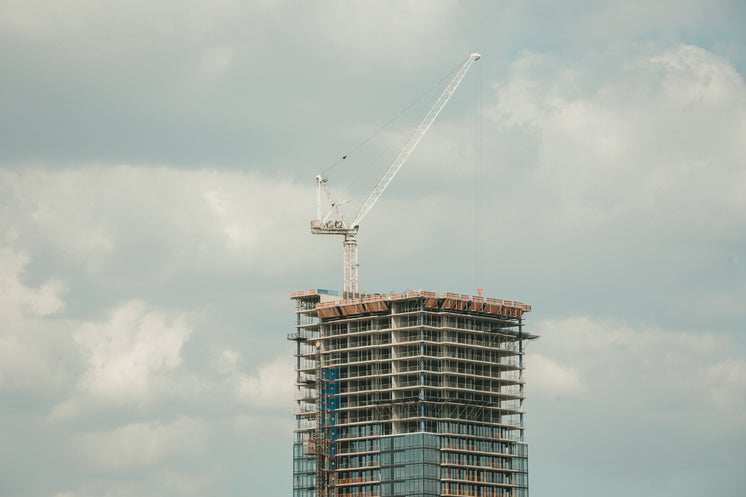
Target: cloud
{"type": "Point", "coordinates": [636, 167]}
{"type": "Point", "coordinates": [682, 374]}
{"type": "Point", "coordinates": [271, 387]}
{"type": "Point", "coordinates": [661, 134]}
{"type": "Point", "coordinates": [89, 373]}
{"type": "Point", "coordinates": [17, 298]}
{"type": "Point", "coordinates": [128, 359]}
{"type": "Point", "coordinates": [33, 355]}
{"type": "Point", "coordinates": [642, 387]}
{"type": "Point", "coordinates": [40, 20]}
{"type": "Point", "coordinates": [548, 377]}
{"type": "Point", "coordinates": [397, 25]}
{"type": "Point", "coordinates": [146, 444]}
{"type": "Point", "coordinates": [606, 355]}
{"type": "Point", "coordinates": [160, 226]}
{"type": "Point", "coordinates": [727, 381]}
{"type": "Point", "coordinates": [26, 367]}
{"type": "Point", "coordinates": [113, 220]}
{"type": "Point", "coordinates": [125, 353]}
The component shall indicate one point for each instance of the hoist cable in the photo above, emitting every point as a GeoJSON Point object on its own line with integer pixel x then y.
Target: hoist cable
{"type": "Point", "coordinates": [479, 187]}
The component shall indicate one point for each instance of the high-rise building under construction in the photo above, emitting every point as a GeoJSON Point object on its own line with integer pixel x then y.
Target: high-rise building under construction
{"type": "Point", "coordinates": [413, 394]}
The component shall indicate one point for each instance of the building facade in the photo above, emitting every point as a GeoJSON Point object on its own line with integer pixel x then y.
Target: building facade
{"type": "Point", "coordinates": [409, 395]}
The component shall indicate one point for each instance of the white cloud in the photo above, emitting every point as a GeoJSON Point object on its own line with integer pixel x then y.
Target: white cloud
{"type": "Point", "coordinates": [169, 29]}
{"type": "Point", "coordinates": [147, 444]}
{"type": "Point", "coordinates": [227, 361]}
{"type": "Point", "coordinates": [658, 133]}
{"type": "Point", "coordinates": [33, 348]}
{"type": "Point", "coordinates": [61, 211]}
{"type": "Point", "coordinates": [182, 483]}
{"type": "Point", "coordinates": [125, 353]}
{"type": "Point", "coordinates": [26, 367]}
{"type": "Point", "coordinates": [727, 381]}
{"type": "Point", "coordinates": [215, 63]}
{"type": "Point", "coordinates": [154, 222]}
{"type": "Point", "coordinates": [131, 360]}
{"type": "Point", "coordinates": [633, 188]}
{"type": "Point", "coordinates": [80, 19]}
{"type": "Point", "coordinates": [272, 386]}
{"type": "Point", "coordinates": [47, 299]}
{"type": "Point", "coordinates": [366, 29]}
{"type": "Point", "coordinates": [649, 395]}
{"type": "Point", "coordinates": [127, 359]}
{"type": "Point", "coordinates": [671, 373]}
{"type": "Point", "coordinates": [158, 224]}
{"type": "Point", "coordinates": [548, 377]}
{"type": "Point", "coordinates": [17, 298]}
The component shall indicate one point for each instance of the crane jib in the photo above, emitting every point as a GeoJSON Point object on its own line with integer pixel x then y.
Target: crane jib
{"type": "Point", "coordinates": [340, 226]}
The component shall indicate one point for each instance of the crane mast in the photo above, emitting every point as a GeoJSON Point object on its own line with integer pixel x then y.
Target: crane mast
{"type": "Point", "coordinates": [339, 225]}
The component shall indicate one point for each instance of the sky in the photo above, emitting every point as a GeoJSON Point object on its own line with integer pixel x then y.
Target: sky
{"type": "Point", "coordinates": [157, 164]}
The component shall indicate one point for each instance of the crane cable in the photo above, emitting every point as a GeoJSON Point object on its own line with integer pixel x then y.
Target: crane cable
{"type": "Point", "coordinates": [390, 121]}
{"type": "Point", "coordinates": [479, 176]}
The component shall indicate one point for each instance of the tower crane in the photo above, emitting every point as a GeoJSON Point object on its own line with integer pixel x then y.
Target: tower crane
{"type": "Point", "coordinates": [335, 223]}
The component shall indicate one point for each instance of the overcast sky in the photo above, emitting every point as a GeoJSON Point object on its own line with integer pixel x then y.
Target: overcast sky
{"type": "Point", "coordinates": [156, 183]}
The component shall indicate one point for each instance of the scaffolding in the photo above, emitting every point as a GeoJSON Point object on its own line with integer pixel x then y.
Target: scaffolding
{"type": "Point", "coordinates": [377, 368]}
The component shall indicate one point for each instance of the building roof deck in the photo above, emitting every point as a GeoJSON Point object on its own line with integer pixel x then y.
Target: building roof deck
{"type": "Point", "coordinates": [330, 304]}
